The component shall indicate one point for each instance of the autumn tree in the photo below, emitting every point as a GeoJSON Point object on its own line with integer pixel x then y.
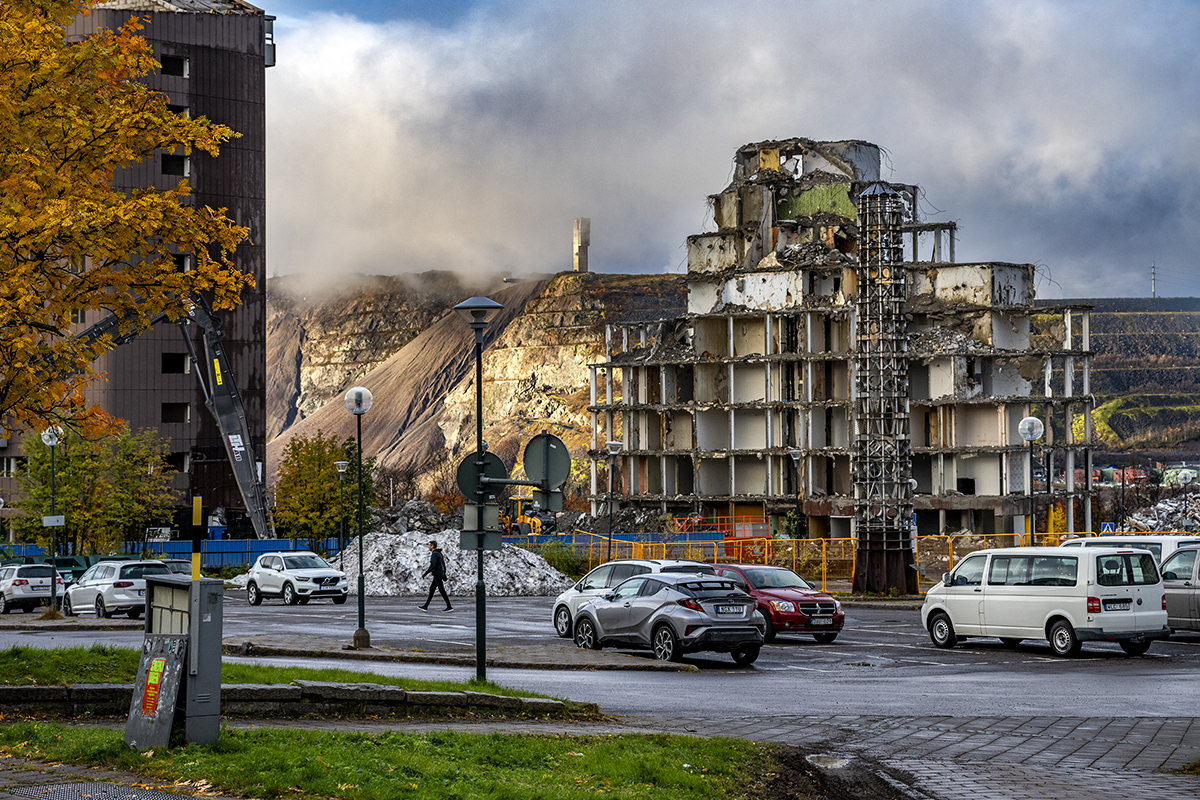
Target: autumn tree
{"type": "Point", "coordinates": [72, 115]}
{"type": "Point", "coordinates": [307, 491]}
{"type": "Point", "coordinates": [109, 487]}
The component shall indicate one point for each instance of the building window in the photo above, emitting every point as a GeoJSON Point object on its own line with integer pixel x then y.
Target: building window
{"type": "Point", "coordinates": [175, 165]}
{"type": "Point", "coordinates": [176, 412]}
{"type": "Point", "coordinates": [176, 66]}
{"type": "Point", "coordinates": [180, 462]}
{"type": "Point", "coordinates": [183, 262]}
{"type": "Point", "coordinates": [11, 465]}
{"type": "Point", "coordinates": [182, 111]}
{"type": "Point", "coordinates": [78, 316]}
{"type": "Point", "coordinates": [176, 364]}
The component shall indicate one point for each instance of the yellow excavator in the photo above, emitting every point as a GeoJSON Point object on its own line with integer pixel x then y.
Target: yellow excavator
{"type": "Point", "coordinates": [519, 518]}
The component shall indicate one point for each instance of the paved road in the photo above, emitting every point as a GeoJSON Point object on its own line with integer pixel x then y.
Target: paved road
{"type": "Point", "coordinates": [978, 721]}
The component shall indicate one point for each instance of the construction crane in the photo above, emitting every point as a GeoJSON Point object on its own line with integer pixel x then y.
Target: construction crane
{"type": "Point", "coordinates": [220, 396]}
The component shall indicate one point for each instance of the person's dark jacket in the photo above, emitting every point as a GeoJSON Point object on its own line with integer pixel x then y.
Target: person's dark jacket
{"type": "Point", "coordinates": [437, 565]}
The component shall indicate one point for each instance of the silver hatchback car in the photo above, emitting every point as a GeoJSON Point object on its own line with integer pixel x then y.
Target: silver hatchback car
{"type": "Point", "coordinates": [673, 614]}
{"type": "Point", "coordinates": [606, 577]}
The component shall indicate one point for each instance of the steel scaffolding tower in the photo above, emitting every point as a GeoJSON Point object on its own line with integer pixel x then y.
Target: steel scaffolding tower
{"type": "Point", "coordinates": [882, 447]}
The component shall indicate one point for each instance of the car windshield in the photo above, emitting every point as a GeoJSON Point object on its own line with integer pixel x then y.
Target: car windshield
{"type": "Point", "coordinates": [304, 562]}
{"type": "Point", "coordinates": [179, 567]}
{"type": "Point", "coordinates": [35, 571]}
{"type": "Point", "coordinates": [709, 588]}
{"type": "Point", "coordinates": [141, 570]}
{"type": "Point", "coordinates": [776, 579]}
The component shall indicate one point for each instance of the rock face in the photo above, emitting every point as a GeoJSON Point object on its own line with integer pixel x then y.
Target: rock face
{"type": "Point", "coordinates": [536, 357]}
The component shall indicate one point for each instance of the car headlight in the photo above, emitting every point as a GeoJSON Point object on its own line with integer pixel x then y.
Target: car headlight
{"type": "Point", "coordinates": [783, 605]}
{"type": "Point", "coordinates": [837, 605]}
{"type": "Point", "coordinates": [303, 579]}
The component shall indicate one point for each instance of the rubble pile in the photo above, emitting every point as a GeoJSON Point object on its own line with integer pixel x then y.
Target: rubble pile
{"type": "Point", "coordinates": [393, 563]}
{"type": "Point", "coordinates": [1170, 514]}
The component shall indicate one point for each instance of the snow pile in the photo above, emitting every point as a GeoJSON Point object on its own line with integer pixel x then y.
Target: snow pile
{"type": "Point", "coordinates": [1170, 514]}
{"type": "Point", "coordinates": [393, 563]}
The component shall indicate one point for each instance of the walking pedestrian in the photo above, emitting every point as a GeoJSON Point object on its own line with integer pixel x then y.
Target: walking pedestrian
{"type": "Point", "coordinates": [437, 568]}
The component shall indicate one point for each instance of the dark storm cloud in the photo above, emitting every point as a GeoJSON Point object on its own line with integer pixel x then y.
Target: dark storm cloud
{"type": "Point", "coordinates": [1064, 134]}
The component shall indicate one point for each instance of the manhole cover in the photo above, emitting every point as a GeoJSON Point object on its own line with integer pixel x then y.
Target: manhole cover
{"type": "Point", "coordinates": [95, 791]}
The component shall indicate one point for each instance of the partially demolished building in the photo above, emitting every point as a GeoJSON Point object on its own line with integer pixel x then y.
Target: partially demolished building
{"type": "Point", "coordinates": [818, 370]}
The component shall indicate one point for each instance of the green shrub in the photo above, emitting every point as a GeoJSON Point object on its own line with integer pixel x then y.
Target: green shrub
{"type": "Point", "coordinates": [562, 557]}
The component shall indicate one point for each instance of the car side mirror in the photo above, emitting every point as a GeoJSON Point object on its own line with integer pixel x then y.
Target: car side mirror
{"type": "Point", "coordinates": [610, 596]}
{"type": "Point", "coordinates": [945, 578]}
{"type": "Point", "coordinates": [1169, 576]}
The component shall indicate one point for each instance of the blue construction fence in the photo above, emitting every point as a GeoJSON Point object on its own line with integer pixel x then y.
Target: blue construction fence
{"type": "Point", "coordinates": [214, 553]}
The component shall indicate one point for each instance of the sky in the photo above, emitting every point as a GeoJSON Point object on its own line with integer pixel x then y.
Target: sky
{"type": "Point", "coordinates": [468, 134]}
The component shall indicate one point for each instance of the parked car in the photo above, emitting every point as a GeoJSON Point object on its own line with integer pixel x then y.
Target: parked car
{"type": "Point", "coordinates": [788, 603]}
{"type": "Point", "coordinates": [296, 577]}
{"type": "Point", "coordinates": [607, 576]}
{"type": "Point", "coordinates": [1161, 545]}
{"type": "Point", "coordinates": [1064, 595]}
{"type": "Point", "coordinates": [112, 587]}
{"type": "Point", "coordinates": [673, 614]}
{"type": "Point", "coordinates": [178, 566]}
{"type": "Point", "coordinates": [26, 586]}
{"type": "Point", "coordinates": [1180, 575]}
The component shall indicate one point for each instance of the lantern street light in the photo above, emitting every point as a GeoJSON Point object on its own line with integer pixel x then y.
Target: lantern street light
{"type": "Point", "coordinates": [50, 438]}
{"type": "Point", "coordinates": [478, 311]}
{"type": "Point", "coordinates": [358, 402]}
{"type": "Point", "coordinates": [341, 468]}
{"type": "Point", "coordinates": [797, 454]}
{"type": "Point", "coordinates": [1031, 429]}
{"type": "Point", "coordinates": [614, 450]}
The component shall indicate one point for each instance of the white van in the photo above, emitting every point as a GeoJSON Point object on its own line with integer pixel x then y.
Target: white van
{"type": "Point", "coordinates": [1160, 545]}
{"type": "Point", "coordinates": [1065, 596]}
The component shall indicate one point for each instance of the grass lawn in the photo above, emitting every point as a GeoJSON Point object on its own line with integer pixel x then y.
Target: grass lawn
{"type": "Point", "coordinates": [268, 763]}
{"type": "Point", "coordinates": [25, 666]}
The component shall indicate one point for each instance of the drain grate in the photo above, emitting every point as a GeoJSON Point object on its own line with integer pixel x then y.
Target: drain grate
{"type": "Point", "coordinates": [93, 791]}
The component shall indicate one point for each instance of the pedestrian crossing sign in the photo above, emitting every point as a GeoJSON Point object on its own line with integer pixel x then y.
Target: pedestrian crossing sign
{"type": "Point", "coordinates": [1108, 527]}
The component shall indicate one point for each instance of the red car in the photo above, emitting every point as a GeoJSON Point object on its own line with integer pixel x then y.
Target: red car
{"type": "Point", "coordinates": [787, 602]}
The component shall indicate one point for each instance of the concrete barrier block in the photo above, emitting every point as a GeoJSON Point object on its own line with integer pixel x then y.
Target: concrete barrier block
{"type": "Point", "coordinates": [321, 691]}
{"type": "Point", "coordinates": [491, 700]}
{"type": "Point", "coordinates": [541, 705]}
{"type": "Point", "coordinates": [261, 692]}
{"type": "Point", "coordinates": [437, 698]}
{"type": "Point", "coordinates": [22, 695]}
{"type": "Point", "coordinates": [102, 693]}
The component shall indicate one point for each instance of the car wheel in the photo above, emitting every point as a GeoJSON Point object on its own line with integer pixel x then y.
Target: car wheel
{"type": "Point", "coordinates": [289, 595]}
{"type": "Point", "coordinates": [745, 656]}
{"type": "Point", "coordinates": [941, 631]}
{"type": "Point", "coordinates": [562, 622]}
{"type": "Point", "coordinates": [825, 637]}
{"type": "Point", "coordinates": [1009, 641]}
{"type": "Point", "coordinates": [101, 611]}
{"type": "Point", "coordinates": [1133, 648]}
{"type": "Point", "coordinates": [585, 635]}
{"type": "Point", "coordinates": [666, 644]}
{"type": "Point", "coordinates": [4, 606]}
{"type": "Point", "coordinates": [339, 601]}
{"type": "Point", "coordinates": [253, 595]}
{"type": "Point", "coordinates": [768, 628]}
{"type": "Point", "coordinates": [1063, 640]}
{"type": "Point", "coordinates": [66, 607]}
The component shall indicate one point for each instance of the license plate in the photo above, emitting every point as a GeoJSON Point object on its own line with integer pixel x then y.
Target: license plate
{"type": "Point", "coordinates": [731, 609]}
{"type": "Point", "coordinates": [41, 588]}
{"type": "Point", "coordinates": [1116, 606]}
{"type": "Point", "coordinates": [822, 620]}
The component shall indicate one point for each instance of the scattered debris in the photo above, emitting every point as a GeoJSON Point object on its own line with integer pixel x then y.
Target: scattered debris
{"type": "Point", "coordinates": [1170, 514]}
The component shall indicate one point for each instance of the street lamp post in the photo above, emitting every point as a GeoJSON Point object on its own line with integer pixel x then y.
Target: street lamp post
{"type": "Point", "coordinates": [796, 454]}
{"type": "Point", "coordinates": [478, 311]}
{"type": "Point", "coordinates": [614, 450]}
{"type": "Point", "coordinates": [358, 402]}
{"type": "Point", "coordinates": [1031, 429]}
{"type": "Point", "coordinates": [341, 468]}
{"type": "Point", "coordinates": [50, 438]}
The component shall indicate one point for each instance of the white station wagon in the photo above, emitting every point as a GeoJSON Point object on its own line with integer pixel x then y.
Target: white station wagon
{"type": "Point", "coordinates": [1063, 595]}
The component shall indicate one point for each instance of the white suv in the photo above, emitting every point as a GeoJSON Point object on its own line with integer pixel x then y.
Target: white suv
{"type": "Point", "coordinates": [26, 586]}
{"type": "Point", "coordinates": [112, 587]}
{"type": "Point", "coordinates": [608, 575]}
{"type": "Point", "coordinates": [296, 577]}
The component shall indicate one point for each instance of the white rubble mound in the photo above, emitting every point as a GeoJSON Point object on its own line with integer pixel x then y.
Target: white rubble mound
{"type": "Point", "coordinates": [1170, 514]}
{"type": "Point", "coordinates": [393, 563]}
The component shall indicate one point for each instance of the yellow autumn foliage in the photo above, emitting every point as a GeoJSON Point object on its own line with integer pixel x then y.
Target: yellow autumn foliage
{"type": "Point", "coordinates": [72, 114]}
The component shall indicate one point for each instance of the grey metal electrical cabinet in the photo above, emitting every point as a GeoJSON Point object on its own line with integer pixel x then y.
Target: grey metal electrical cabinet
{"type": "Point", "coordinates": [180, 608]}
